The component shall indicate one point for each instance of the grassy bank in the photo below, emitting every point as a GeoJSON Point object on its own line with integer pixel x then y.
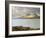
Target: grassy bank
{"type": "Point", "coordinates": [20, 28]}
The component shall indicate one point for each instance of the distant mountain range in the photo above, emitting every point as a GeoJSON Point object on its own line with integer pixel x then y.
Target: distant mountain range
{"type": "Point", "coordinates": [29, 16]}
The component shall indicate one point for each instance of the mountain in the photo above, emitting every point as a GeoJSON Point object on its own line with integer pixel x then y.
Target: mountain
{"type": "Point", "coordinates": [29, 16]}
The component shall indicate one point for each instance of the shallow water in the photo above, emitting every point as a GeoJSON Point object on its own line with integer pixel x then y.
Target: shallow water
{"type": "Point", "coordinates": [34, 23]}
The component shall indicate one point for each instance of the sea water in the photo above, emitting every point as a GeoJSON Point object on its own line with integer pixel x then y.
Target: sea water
{"type": "Point", "coordinates": [34, 23]}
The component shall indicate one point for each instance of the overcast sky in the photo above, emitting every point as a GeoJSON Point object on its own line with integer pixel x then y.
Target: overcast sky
{"type": "Point", "coordinates": [21, 11]}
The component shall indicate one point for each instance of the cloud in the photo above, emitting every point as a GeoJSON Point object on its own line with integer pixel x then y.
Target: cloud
{"type": "Point", "coordinates": [21, 11]}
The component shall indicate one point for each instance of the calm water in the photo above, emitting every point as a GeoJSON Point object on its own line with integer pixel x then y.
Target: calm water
{"type": "Point", "coordinates": [34, 23]}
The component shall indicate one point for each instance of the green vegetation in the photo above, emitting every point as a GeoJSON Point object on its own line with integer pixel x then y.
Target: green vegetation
{"type": "Point", "coordinates": [20, 28]}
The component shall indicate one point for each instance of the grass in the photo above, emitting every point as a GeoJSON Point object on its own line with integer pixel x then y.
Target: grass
{"type": "Point", "coordinates": [20, 28]}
